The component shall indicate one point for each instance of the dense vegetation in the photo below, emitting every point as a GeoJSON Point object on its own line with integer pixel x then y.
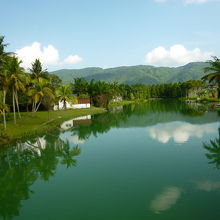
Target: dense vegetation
{"type": "Point", "coordinates": [36, 89]}
{"type": "Point", "coordinates": [136, 74]}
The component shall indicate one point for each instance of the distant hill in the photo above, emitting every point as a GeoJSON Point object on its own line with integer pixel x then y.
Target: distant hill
{"type": "Point", "coordinates": [136, 74]}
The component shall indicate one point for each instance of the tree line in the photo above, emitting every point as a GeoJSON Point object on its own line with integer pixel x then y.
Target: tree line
{"type": "Point", "coordinates": [35, 89]}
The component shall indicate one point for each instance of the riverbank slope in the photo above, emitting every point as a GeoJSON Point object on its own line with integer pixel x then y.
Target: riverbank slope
{"type": "Point", "coordinates": [42, 122]}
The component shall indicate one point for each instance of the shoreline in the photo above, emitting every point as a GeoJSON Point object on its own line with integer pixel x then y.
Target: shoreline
{"type": "Point", "coordinates": [29, 126]}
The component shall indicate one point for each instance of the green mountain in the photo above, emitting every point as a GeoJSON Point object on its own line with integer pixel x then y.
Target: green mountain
{"type": "Point", "coordinates": [136, 74]}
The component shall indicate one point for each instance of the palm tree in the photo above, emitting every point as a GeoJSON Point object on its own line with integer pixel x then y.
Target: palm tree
{"type": "Point", "coordinates": [3, 107]}
{"type": "Point", "coordinates": [80, 86]}
{"type": "Point", "coordinates": [4, 81]}
{"type": "Point", "coordinates": [214, 72]}
{"type": "Point", "coordinates": [37, 91]}
{"type": "Point", "coordinates": [3, 54]}
{"type": "Point", "coordinates": [17, 79]}
{"type": "Point", "coordinates": [64, 94]}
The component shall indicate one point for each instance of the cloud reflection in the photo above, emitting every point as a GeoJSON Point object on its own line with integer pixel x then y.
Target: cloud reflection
{"type": "Point", "coordinates": [75, 139]}
{"type": "Point", "coordinates": [166, 199]}
{"type": "Point", "coordinates": [178, 131]}
{"type": "Point", "coordinates": [208, 185]}
{"type": "Point", "coordinates": [72, 138]}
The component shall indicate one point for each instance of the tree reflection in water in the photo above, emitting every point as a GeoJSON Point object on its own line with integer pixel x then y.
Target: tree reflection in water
{"type": "Point", "coordinates": [21, 165]}
{"type": "Point", "coordinates": [214, 150]}
{"type": "Point", "coordinates": [145, 114]}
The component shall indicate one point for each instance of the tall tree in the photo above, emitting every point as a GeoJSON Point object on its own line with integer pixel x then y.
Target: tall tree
{"type": "Point", "coordinates": [3, 107]}
{"type": "Point", "coordinates": [213, 71]}
{"type": "Point", "coordinates": [37, 70]}
{"type": "Point", "coordinates": [64, 94]}
{"type": "Point", "coordinates": [39, 89]}
{"type": "Point", "coordinates": [80, 86]}
{"type": "Point", "coordinates": [4, 80]}
{"type": "Point", "coordinates": [17, 81]}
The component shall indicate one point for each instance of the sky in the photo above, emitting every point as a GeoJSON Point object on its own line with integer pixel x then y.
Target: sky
{"type": "Point", "coordinates": [75, 34]}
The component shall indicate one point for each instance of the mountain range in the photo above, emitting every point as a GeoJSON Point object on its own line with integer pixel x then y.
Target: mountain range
{"type": "Point", "coordinates": [136, 74]}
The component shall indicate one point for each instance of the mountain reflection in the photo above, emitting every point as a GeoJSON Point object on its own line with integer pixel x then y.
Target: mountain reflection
{"type": "Point", "coordinates": [26, 162]}
{"type": "Point", "coordinates": [213, 148]}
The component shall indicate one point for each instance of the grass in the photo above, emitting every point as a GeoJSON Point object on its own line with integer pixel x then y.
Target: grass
{"type": "Point", "coordinates": [41, 123]}
{"type": "Point", "coordinates": [124, 102]}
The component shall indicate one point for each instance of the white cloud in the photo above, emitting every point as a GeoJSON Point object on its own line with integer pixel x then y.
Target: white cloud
{"type": "Point", "coordinates": [160, 1]}
{"type": "Point", "coordinates": [196, 1]}
{"type": "Point", "coordinates": [188, 1]}
{"type": "Point", "coordinates": [175, 55]}
{"type": "Point", "coordinates": [166, 199]}
{"type": "Point", "coordinates": [72, 59]}
{"type": "Point", "coordinates": [48, 55]}
{"type": "Point", "coordinates": [179, 132]}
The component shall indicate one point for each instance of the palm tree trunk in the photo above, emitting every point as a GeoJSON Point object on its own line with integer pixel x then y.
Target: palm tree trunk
{"type": "Point", "coordinates": [38, 105]}
{"type": "Point", "coordinates": [64, 104]}
{"type": "Point", "coordinates": [219, 90]}
{"type": "Point", "coordinates": [16, 100]}
{"type": "Point", "coordinates": [33, 104]}
{"type": "Point", "coordinates": [13, 102]}
{"type": "Point", "coordinates": [4, 118]}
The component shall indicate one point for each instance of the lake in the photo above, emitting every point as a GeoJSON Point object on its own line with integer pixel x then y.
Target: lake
{"type": "Point", "coordinates": [157, 160]}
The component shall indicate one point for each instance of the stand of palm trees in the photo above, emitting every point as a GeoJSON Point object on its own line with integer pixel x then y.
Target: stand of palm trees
{"type": "Point", "coordinates": [213, 71]}
{"type": "Point", "coordinates": [37, 88]}
{"type": "Point", "coordinates": [13, 80]}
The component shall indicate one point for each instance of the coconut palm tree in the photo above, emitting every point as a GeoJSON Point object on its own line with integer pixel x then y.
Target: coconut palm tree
{"type": "Point", "coordinates": [80, 86]}
{"type": "Point", "coordinates": [37, 91]}
{"type": "Point", "coordinates": [213, 70]}
{"type": "Point", "coordinates": [4, 84]}
{"type": "Point", "coordinates": [17, 80]}
{"type": "Point", "coordinates": [4, 80]}
{"type": "Point", "coordinates": [3, 107]}
{"type": "Point", "coordinates": [64, 94]}
{"type": "Point", "coordinates": [3, 54]}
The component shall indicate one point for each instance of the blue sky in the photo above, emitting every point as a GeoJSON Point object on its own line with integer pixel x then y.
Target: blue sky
{"type": "Point", "coordinates": [82, 33]}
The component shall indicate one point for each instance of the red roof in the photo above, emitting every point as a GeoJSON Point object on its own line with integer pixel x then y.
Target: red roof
{"type": "Point", "coordinates": [83, 101]}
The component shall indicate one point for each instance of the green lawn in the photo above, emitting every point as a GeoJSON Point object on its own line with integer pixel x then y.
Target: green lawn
{"type": "Point", "coordinates": [124, 102]}
{"type": "Point", "coordinates": [40, 123]}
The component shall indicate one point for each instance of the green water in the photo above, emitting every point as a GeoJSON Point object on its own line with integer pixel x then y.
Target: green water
{"type": "Point", "coordinates": [159, 160]}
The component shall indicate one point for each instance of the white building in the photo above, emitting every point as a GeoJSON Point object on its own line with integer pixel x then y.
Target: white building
{"type": "Point", "coordinates": [82, 103]}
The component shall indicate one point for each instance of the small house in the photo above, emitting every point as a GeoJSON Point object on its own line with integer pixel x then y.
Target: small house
{"type": "Point", "coordinates": [81, 103]}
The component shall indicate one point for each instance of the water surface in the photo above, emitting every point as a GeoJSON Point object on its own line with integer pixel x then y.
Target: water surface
{"type": "Point", "coordinates": [159, 160]}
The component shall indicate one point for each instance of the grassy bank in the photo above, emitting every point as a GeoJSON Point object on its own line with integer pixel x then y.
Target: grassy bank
{"type": "Point", "coordinates": [41, 122]}
{"type": "Point", "coordinates": [126, 102]}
